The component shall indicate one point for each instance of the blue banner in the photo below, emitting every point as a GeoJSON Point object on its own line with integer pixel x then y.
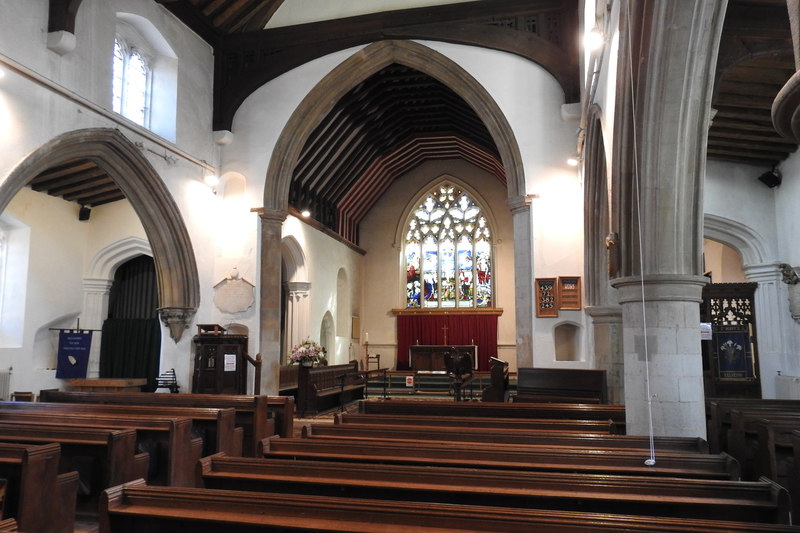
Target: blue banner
{"type": "Point", "coordinates": [73, 353]}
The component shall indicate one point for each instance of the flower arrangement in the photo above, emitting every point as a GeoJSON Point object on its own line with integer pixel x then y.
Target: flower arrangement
{"type": "Point", "coordinates": [307, 353]}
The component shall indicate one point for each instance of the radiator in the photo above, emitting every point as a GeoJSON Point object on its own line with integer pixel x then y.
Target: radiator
{"type": "Point", "coordinates": [5, 384]}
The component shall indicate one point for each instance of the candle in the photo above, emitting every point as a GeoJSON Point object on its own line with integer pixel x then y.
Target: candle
{"type": "Point", "coordinates": [366, 337]}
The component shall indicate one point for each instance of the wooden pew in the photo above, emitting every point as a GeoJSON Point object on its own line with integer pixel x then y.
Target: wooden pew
{"type": "Point", "coordinates": [574, 411]}
{"type": "Point", "coordinates": [37, 496]}
{"type": "Point", "coordinates": [743, 435]}
{"type": "Point", "coordinates": [774, 456]}
{"type": "Point", "coordinates": [9, 524]}
{"type": "Point", "coordinates": [173, 450]}
{"type": "Point", "coordinates": [718, 415]}
{"type": "Point", "coordinates": [134, 508]}
{"type": "Point", "coordinates": [549, 424]}
{"type": "Point", "coordinates": [610, 461]}
{"type": "Point", "coordinates": [561, 385]}
{"type": "Point", "coordinates": [259, 415]}
{"type": "Point", "coordinates": [762, 501]}
{"type": "Point", "coordinates": [499, 436]}
{"type": "Point", "coordinates": [216, 426]}
{"type": "Point", "coordinates": [113, 452]}
{"type": "Point", "coordinates": [323, 388]}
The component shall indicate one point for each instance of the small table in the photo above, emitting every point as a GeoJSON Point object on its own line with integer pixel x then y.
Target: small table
{"type": "Point", "coordinates": [110, 384]}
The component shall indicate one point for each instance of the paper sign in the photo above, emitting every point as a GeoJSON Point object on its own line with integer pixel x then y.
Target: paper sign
{"type": "Point", "coordinates": [230, 362]}
{"type": "Point", "coordinates": [409, 381]}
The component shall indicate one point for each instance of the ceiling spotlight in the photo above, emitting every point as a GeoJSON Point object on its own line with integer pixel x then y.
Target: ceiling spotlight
{"type": "Point", "coordinates": [305, 213]}
{"type": "Point", "coordinates": [573, 161]}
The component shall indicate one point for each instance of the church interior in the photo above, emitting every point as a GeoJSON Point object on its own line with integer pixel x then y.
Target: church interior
{"type": "Point", "coordinates": [199, 196]}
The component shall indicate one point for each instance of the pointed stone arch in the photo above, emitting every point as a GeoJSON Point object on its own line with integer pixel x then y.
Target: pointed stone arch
{"type": "Point", "coordinates": [359, 67]}
{"type": "Point", "coordinates": [176, 269]}
{"type": "Point", "coordinates": [321, 100]}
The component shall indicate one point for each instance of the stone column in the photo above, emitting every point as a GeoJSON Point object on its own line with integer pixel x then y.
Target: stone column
{"type": "Point", "coordinates": [95, 311]}
{"type": "Point", "coordinates": [607, 340]}
{"type": "Point", "coordinates": [773, 320]}
{"type": "Point", "coordinates": [523, 278]}
{"type": "Point", "coordinates": [662, 354]}
{"type": "Point", "coordinates": [270, 299]}
{"type": "Point", "coordinates": [297, 313]}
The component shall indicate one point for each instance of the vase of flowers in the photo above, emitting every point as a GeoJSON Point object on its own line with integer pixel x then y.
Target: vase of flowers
{"type": "Point", "coordinates": [307, 353]}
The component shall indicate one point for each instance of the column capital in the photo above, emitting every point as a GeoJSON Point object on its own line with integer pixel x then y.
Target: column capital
{"type": "Point", "coordinates": [177, 319]}
{"type": "Point", "coordinates": [520, 204]}
{"type": "Point", "coordinates": [271, 215]}
{"type": "Point", "coordinates": [660, 288]}
{"type": "Point", "coordinates": [298, 286]}
{"type": "Point", "coordinates": [604, 315]}
{"type": "Point", "coordinates": [763, 272]}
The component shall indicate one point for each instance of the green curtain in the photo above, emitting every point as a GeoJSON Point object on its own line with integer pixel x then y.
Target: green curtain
{"type": "Point", "coordinates": [130, 348]}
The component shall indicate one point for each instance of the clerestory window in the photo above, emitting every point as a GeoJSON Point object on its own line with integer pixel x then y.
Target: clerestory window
{"type": "Point", "coordinates": [448, 252]}
{"type": "Point", "coordinates": [132, 83]}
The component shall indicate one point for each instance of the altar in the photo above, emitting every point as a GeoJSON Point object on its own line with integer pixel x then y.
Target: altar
{"type": "Point", "coordinates": [431, 358]}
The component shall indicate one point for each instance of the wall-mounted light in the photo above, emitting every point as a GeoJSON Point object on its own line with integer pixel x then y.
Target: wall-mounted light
{"type": "Point", "coordinates": [573, 161]}
{"type": "Point", "coordinates": [771, 178]}
{"type": "Point", "coordinates": [305, 213]}
{"type": "Point", "coordinates": [212, 180]}
{"type": "Point", "coordinates": [594, 40]}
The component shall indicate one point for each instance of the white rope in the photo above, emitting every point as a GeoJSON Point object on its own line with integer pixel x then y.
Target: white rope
{"type": "Point", "coordinates": [651, 461]}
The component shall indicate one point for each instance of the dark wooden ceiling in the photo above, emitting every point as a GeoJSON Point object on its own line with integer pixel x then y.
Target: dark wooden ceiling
{"type": "Point", "coordinates": [399, 117]}
{"type": "Point", "coordinates": [755, 61]}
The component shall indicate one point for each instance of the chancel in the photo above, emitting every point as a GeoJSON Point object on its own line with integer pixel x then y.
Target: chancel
{"type": "Point", "coordinates": [401, 168]}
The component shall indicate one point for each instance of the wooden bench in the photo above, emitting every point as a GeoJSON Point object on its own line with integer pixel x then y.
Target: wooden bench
{"type": "Point", "coordinates": [610, 461]}
{"type": "Point", "coordinates": [763, 501]}
{"type": "Point", "coordinates": [775, 456]}
{"type": "Point", "coordinates": [134, 507]}
{"type": "Point", "coordinates": [112, 453]}
{"type": "Point", "coordinates": [259, 415]}
{"type": "Point", "coordinates": [571, 411]}
{"type": "Point", "coordinates": [561, 385]}
{"type": "Point", "coordinates": [324, 388]}
{"type": "Point", "coordinates": [9, 524]}
{"type": "Point", "coordinates": [744, 433]}
{"type": "Point", "coordinates": [500, 436]}
{"type": "Point", "coordinates": [173, 450]}
{"type": "Point", "coordinates": [216, 426]}
{"type": "Point", "coordinates": [718, 415]}
{"type": "Point", "coordinates": [37, 496]}
{"type": "Point", "coordinates": [549, 424]}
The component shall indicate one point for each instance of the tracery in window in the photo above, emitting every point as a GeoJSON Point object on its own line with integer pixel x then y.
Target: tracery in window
{"type": "Point", "coordinates": [448, 252]}
{"type": "Point", "coordinates": [131, 83]}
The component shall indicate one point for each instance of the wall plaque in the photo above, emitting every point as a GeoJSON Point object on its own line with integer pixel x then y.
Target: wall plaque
{"type": "Point", "coordinates": [546, 297]}
{"type": "Point", "coordinates": [569, 292]}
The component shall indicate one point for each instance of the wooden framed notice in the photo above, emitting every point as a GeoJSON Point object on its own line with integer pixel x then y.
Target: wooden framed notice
{"type": "Point", "coordinates": [546, 297]}
{"type": "Point", "coordinates": [569, 292]}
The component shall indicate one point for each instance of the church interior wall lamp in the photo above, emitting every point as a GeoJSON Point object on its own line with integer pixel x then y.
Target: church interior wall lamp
{"type": "Point", "coordinates": [209, 177]}
{"type": "Point", "coordinates": [771, 178]}
{"type": "Point", "coordinates": [84, 213]}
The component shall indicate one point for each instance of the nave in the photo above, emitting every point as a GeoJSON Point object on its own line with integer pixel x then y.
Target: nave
{"type": "Point", "coordinates": [125, 462]}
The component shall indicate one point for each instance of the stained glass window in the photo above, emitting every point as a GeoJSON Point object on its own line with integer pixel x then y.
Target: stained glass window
{"type": "Point", "coordinates": [448, 252]}
{"type": "Point", "coordinates": [131, 83]}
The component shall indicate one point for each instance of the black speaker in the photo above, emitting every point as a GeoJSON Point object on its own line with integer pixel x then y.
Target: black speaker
{"type": "Point", "coordinates": [84, 213]}
{"type": "Point", "coordinates": [771, 178]}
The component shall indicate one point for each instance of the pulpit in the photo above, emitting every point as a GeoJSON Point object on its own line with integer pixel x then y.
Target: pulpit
{"type": "Point", "coordinates": [432, 358]}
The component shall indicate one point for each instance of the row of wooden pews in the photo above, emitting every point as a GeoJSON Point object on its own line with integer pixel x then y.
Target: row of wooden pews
{"type": "Point", "coordinates": [760, 435]}
{"type": "Point", "coordinates": [384, 472]}
{"type": "Point", "coordinates": [95, 440]}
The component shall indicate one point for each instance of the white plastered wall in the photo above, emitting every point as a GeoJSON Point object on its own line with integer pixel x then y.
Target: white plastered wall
{"type": "Point", "coordinates": [43, 95]}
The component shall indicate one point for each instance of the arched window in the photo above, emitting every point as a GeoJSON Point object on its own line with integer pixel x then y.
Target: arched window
{"type": "Point", "coordinates": [144, 85]}
{"type": "Point", "coordinates": [448, 252]}
{"type": "Point", "coordinates": [132, 82]}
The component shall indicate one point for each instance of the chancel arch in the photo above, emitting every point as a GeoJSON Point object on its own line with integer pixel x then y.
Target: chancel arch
{"type": "Point", "coordinates": [322, 99]}
{"type": "Point", "coordinates": [109, 149]}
